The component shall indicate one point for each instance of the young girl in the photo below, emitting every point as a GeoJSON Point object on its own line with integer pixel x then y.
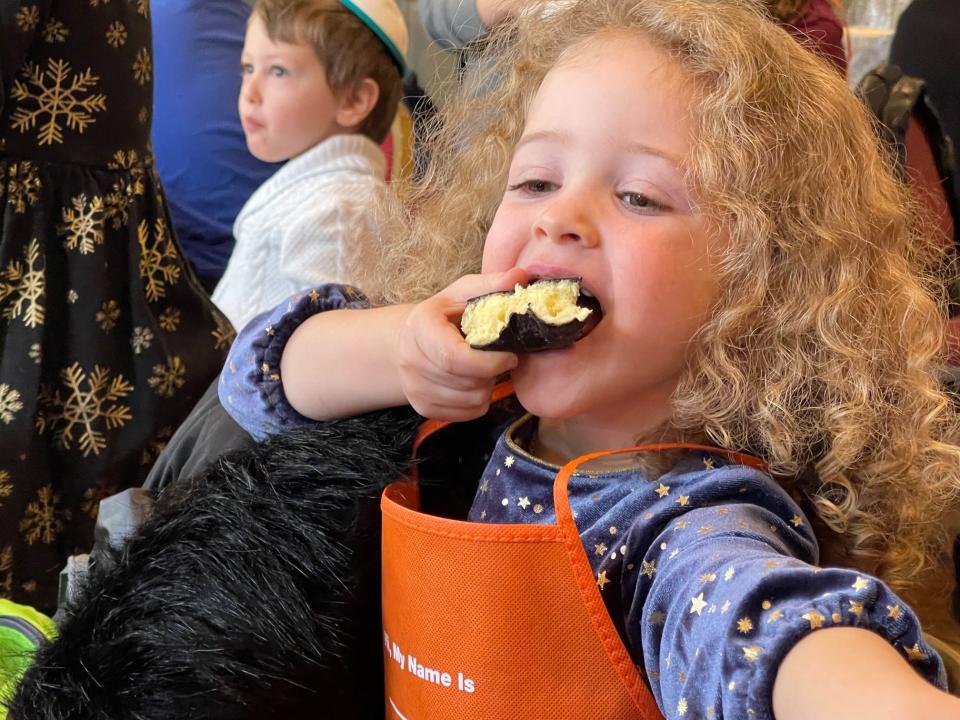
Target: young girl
{"type": "Point", "coordinates": [722, 195]}
{"type": "Point", "coordinates": [663, 153]}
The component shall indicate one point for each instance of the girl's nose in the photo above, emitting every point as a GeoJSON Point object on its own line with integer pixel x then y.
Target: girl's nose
{"type": "Point", "coordinates": [567, 219]}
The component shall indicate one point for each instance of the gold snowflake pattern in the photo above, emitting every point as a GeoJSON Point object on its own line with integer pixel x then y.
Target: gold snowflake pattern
{"type": "Point", "coordinates": [158, 259]}
{"type": "Point", "coordinates": [90, 504]}
{"type": "Point", "coordinates": [142, 67]}
{"type": "Point", "coordinates": [36, 353]}
{"type": "Point", "coordinates": [72, 296]}
{"type": "Point", "coordinates": [57, 95]}
{"type": "Point", "coordinates": [224, 334]}
{"type": "Point", "coordinates": [6, 487]}
{"type": "Point", "coordinates": [107, 315]}
{"type": "Point", "coordinates": [23, 186]}
{"type": "Point", "coordinates": [28, 17]}
{"type": "Point", "coordinates": [141, 339]}
{"type": "Point", "coordinates": [169, 319]}
{"type": "Point", "coordinates": [116, 34]}
{"type": "Point", "coordinates": [143, 7]}
{"type": "Point", "coordinates": [95, 3]}
{"type": "Point", "coordinates": [6, 574]}
{"type": "Point", "coordinates": [24, 284]}
{"type": "Point", "coordinates": [168, 378]}
{"type": "Point", "coordinates": [55, 32]}
{"type": "Point", "coordinates": [152, 449]}
{"type": "Point", "coordinates": [10, 403]}
{"type": "Point", "coordinates": [143, 116]}
{"type": "Point", "coordinates": [88, 406]}
{"type": "Point", "coordinates": [42, 519]}
{"type": "Point", "coordinates": [83, 224]}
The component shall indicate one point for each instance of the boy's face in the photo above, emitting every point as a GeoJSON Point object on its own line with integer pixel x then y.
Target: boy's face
{"type": "Point", "coordinates": [286, 106]}
{"type": "Point", "coordinates": [596, 190]}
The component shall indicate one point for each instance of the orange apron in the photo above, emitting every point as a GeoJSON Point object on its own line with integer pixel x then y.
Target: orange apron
{"type": "Point", "coordinates": [500, 621]}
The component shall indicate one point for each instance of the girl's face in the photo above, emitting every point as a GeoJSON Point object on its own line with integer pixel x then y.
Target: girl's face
{"type": "Point", "coordinates": [286, 105]}
{"type": "Point", "coordinates": [596, 190]}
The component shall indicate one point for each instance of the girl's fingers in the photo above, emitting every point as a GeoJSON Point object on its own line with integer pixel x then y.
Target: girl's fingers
{"type": "Point", "coordinates": [446, 350]}
{"type": "Point", "coordinates": [471, 286]}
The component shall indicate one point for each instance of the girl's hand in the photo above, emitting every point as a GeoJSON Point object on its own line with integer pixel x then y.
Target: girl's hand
{"type": "Point", "coordinates": [441, 375]}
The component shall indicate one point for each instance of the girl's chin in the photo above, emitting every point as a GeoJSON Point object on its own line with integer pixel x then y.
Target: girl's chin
{"type": "Point", "coordinates": [543, 388]}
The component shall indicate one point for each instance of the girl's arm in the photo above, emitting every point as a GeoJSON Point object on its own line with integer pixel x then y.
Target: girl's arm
{"type": "Point", "coordinates": [324, 354]}
{"type": "Point", "coordinates": [349, 362]}
{"type": "Point", "coordinates": [726, 586]}
{"type": "Point", "coordinates": [849, 672]}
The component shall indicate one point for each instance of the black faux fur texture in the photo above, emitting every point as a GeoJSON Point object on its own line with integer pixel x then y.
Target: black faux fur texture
{"type": "Point", "coordinates": [253, 591]}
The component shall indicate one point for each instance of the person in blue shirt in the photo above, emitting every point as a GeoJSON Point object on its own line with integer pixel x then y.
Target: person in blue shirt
{"type": "Point", "coordinates": [201, 152]}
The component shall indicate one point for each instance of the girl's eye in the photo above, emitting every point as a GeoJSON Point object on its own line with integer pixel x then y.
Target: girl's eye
{"type": "Point", "coordinates": [534, 187]}
{"type": "Point", "coordinates": [246, 69]}
{"type": "Point", "coordinates": [278, 71]}
{"type": "Point", "coordinates": [640, 201]}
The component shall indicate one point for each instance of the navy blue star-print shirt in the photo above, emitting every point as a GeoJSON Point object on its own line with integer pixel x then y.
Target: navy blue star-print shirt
{"type": "Point", "coordinates": [709, 570]}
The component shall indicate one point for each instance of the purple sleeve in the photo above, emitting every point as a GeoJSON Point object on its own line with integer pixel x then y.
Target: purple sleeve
{"type": "Point", "coordinates": [724, 591]}
{"type": "Point", "coordinates": [250, 387]}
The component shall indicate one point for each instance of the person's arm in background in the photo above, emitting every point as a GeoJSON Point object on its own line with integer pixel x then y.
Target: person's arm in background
{"type": "Point", "coordinates": [453, 24]}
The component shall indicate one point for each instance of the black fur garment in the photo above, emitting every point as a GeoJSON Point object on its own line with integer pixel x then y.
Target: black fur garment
{"type": "Point", "coordinates": [253, 591]}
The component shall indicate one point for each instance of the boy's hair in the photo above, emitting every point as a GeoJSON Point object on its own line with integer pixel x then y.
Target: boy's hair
{"type": "Point", "coordinates": [821, 354]}
{"type": "Point", "coordinates": [348, 50]}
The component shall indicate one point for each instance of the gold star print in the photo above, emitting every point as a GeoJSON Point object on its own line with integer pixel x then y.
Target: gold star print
{"type": "Point", "coordinates": [860, 583]}
{"type": "Point", "coordinates": [681, 524]}
{"type": "Point", "coordinates": [856, 608]}
{"type": "Point", "coordinates": [771, 564]}
{"type": "Point", "coordinates": [523, 503]}
{"type": "Point", "coordinates": [683, 500]}
{"type": "Point", "coordinates": [648, 516]}
{"type": "Point", "coordinates": [796, 521]}
{"type": "Point", "coordinates": [708, 577]}
{"type": "Point", "coordinates": [656, 618]}
{"type": "Point", "coordinates": [269, 330]}
{"type": "Point", "coordinates": [483, 514]}
{"type": "Point", "coordinates": [744, 625]}
{"type": "Point", "coordinates": [752, 652]}
{"type": "Point", "coordinates": [815, 569]}
{"type": "Point", "coordinates": [836, 617]}
{"type": "Point", "coordinates": [725, 607]}
{"type": "Point", "coordinates": [600, 549]}
{"type": "Point", "coordinates": [914, 653]}
{"type": "Point", "coordinates": [704, 529]}
{"type": "Point", "coordinates": [313, 295]}
{"type": "Point", "coordinates": [602, 579]}
{"type": "Point", "coordinates": [893, 612]}
{"type": "Point", "coordinates": [711, 713]}
{"type": "Point", "coordinates": [613, 529]}
{"type": "Point", "coordinates": [505, 502]}
{"type": "Point", "coordinates": [649, 568]}
{"type": "Point", "coordinates": [697, 604]}
{"type": "Point", "coordinates": [508, 461]}
{"type": "Point", "coordinates": [713, 609]}
{"type": "Point", "coordinates": [682, 707]}
{"type": "Point", "coordinates": [663, 490]}
{"type": "Point", "coordinates": [722, 511]}
{"type": "Point", "coordinates": [484, 486]}
{"type": "Point", "coordinates": [674, 553]}
{"type": "Point", "coordinates": [729, 573]}
{"type": "Point", "coordinates": [814, 618]}
{"type": "Point", "coordinates": [538, 508]}
{"type": "Point", "coordinates": [708, 463]}
{"type": "Point", "coordinates": [766, 604]}
{"type": "Point", "coordinates": [774, 616]}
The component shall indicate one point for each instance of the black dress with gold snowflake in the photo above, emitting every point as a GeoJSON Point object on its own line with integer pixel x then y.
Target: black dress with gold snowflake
{"type": "Point", "coordinates": [106, 339]}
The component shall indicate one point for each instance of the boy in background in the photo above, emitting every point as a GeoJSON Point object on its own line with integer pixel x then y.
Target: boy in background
{"type": "Point", "coordinates": [321, 85]}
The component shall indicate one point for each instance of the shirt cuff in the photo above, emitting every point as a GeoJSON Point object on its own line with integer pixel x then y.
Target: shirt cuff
{"type": "Point", "coordinates": [250, 387]}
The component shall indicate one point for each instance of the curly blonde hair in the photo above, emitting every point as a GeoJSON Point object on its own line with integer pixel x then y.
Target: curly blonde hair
{"type": "Point", "coordinates": [821, 354]}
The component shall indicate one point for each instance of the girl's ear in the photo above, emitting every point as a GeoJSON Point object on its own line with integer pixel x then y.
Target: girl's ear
{"type": "Point", "coordinates": [357, 102]}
